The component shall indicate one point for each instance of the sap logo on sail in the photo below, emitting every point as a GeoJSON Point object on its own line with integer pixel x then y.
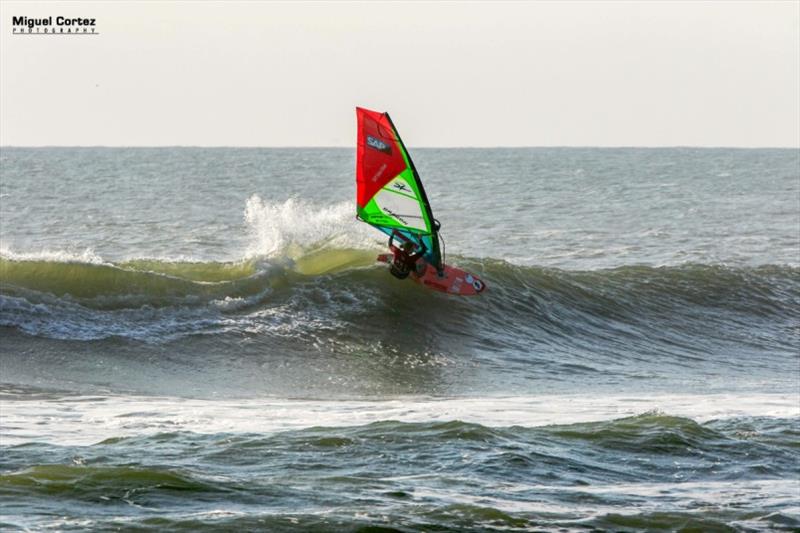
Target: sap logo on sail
{"type": "Point", "coordinates": [378, 145]}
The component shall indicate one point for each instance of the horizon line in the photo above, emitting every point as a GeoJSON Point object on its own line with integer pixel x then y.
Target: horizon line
{"type": "Point", "coordinates": [704, 146]}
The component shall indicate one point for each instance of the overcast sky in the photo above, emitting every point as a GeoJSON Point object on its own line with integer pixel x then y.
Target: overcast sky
{"type": "Point", "coordinates": [451, 74]}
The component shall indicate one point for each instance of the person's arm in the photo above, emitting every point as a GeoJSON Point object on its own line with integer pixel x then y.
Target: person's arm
{"type": "Point", "coordinates": [394, 249]}
{"type": "Point", "coordinates": [421, 252]}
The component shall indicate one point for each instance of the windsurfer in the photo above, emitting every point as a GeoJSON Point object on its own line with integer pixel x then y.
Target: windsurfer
{"type": "Point", "coordinates": [405, 260]}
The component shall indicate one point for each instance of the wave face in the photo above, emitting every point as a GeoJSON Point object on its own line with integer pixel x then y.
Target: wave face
{"type": "Point", "coordinates": [553, 325]}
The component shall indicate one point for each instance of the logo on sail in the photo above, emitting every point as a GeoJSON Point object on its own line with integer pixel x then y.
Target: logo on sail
{"type": "Point", "coordinates": [378, 144]}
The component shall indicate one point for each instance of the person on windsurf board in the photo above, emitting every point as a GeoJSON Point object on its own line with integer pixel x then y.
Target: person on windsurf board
{"type": "Point", "coordinates": [405, 260]}
{"type": "Point", "coordinates": [390, 197]}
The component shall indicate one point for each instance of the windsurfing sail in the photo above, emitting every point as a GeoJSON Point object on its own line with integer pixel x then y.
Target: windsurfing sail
{"type": "Point", "coordinates": [389, 193]}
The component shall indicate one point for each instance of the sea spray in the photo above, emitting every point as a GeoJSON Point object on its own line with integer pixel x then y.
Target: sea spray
{"type": "Point", "coordinates": [293, 226]}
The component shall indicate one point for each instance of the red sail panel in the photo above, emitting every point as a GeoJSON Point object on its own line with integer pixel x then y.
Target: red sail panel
{"type": "Point", "coordinates": [379, 158]}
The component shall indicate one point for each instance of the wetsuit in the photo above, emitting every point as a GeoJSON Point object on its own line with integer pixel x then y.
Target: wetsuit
{"type": "Point", "coordinates": [403, 262]}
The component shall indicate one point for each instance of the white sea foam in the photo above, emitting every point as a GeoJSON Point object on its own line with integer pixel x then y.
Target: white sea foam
{"type": "Point", "coordinates": [292, 226]}
{"type": "Point", "coordinates": [84, 420]}
{"type": "Point", "coordinates": [649, 497]}
{"type": "Point", "coordinates": [86, 255]}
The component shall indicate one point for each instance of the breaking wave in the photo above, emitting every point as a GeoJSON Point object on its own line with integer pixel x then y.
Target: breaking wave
{"type": "Point", "coordinates": [135, 297]}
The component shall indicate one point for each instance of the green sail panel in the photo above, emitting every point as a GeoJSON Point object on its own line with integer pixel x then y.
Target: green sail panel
{"type": "Point", "coordinates": [398, 205]}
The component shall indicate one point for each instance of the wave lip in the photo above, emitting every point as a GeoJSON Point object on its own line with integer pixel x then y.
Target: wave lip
{"type": "Point", "coordinates": [131, 283]}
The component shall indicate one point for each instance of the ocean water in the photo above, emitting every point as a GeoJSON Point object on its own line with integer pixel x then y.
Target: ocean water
{"type": "Point", "coordinates": [199, 339]}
